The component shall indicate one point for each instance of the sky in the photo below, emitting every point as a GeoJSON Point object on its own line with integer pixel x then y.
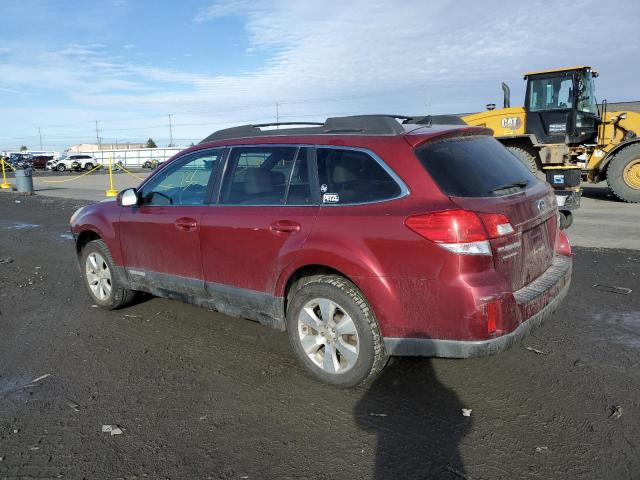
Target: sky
{"type": "Point", "coordinates": [129, 64]}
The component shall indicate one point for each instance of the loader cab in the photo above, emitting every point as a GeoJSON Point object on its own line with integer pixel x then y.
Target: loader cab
{"type": "Point", "coordinates": [561, 106]}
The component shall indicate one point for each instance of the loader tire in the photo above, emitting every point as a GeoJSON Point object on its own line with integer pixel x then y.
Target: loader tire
{"type": "Point", "coordinates": [527, 158]}
{"type": "Point", "coordinates": [623, 174]}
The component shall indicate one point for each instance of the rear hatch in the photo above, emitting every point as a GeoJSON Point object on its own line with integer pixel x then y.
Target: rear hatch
{"type": "Point", "coordinates": [480, 175]}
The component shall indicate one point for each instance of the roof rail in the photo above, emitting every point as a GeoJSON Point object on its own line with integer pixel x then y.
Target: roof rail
{"type": "Point", "coordinates": [355, 124]}
{"type": "Point", "coordinates": [430, 120]}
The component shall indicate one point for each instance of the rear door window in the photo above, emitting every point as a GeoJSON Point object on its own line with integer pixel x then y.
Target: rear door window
{"type": "Point", "coordinates": [474, 166]}
{"type": "Point", "coordinates": [353, 176]}
{"type": "Point", "coordinates": [259, 175]}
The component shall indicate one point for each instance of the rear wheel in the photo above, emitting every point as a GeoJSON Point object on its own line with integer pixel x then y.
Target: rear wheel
{"type": "Point", "coordinates": [623, 174]}
{"type": "Point", "coordinates": [333, 331]}
{"type": "Point", "coordinates": [101, 279]}
{"type": "Point", "coordinates": [527, 158]}
{"type": "Point", "coordinates": [88, 166]}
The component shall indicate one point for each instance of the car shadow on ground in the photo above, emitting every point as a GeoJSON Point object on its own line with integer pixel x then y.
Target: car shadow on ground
{"type": "Point", "coordinates": [417, 420]}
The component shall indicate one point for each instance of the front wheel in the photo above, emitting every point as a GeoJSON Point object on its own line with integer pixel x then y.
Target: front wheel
{"type": "Point", "coordinates": [101, 279]}
{"type": "Point", "coordinates": [623, 174]}
{"type": "Point", "coordinates": [333, 331]}
{"type": "Point", "coordinates": [88, 166]}
{"type": "Point", "coordinates": [61, 168]}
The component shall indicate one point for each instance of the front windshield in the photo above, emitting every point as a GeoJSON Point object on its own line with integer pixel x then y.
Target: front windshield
{"type": "Point", "coordinates": [553, 93]}
{"type": "Point", "coordinates": [587, 98]}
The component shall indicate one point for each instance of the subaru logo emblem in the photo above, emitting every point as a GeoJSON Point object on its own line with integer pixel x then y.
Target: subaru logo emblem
{"type": "Point", "coordinates": [541, 205]}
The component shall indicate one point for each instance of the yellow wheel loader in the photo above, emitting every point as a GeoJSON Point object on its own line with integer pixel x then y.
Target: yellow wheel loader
{"type": "Point", "coordinates": [563, 133]}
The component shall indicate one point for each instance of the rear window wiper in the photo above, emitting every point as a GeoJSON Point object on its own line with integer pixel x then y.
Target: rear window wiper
{"type": "Point", "coordinates": [507, 186]}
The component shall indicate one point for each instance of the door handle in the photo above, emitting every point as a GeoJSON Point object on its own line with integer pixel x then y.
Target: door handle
{"type": "Point", "coordinates": [186, 224]}
{"type": "Point", "coordinates": [285, 226]}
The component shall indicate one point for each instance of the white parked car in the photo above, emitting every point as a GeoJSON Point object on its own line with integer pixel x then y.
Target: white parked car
{"type": "Point", "coordinates": [73, 162]}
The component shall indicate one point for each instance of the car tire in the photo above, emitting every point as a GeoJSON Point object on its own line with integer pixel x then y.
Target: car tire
{"type": "Point", "coordinates": [101, 278]}
{"type": "Point", "coordinates": [88, 166]}
{"type": "Point", "coordinates": [623, 174]}
{"type": "Point", "coordinates": [146, 165]}
{"type": "Point", "coordinates": [357, 354]}
{"type": "Point", "coordinates": [61, 168]}
{"type": "Point", "coordinates": [566, 219]}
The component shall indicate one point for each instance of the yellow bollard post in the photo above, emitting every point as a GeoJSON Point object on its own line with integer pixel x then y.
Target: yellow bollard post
{"type": "Point", "coordinates": [4, 185]}
{"type": "Point", "coordinates": [112, 192]}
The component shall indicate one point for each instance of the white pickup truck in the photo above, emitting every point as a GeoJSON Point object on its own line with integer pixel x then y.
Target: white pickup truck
{"type": "Point", "coordinates": [73, 162]}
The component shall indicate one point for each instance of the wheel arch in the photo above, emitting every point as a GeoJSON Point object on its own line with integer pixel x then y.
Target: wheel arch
{"type": "Point", "coordinates": [288, 280]}
{"type": "Point", "coordinates": [526, 142]}
{"type": "Point", "coordinates": [85, 237]}
{"type": "Point", "coordinates": [606, 161]}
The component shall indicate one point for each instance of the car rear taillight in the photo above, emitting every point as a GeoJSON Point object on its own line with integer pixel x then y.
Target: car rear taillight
{"type": "Point", "coordinates": [461, 231]}
{"type": "Point", "coordinates": [563, 247]}
{"type": "Point", "coordinates": [496, 224]}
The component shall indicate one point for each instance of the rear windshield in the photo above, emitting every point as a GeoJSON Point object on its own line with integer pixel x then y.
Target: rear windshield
{"type": "Point", "coordinates": [474, 166]}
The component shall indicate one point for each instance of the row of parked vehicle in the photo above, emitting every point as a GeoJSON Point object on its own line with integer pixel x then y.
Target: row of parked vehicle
{"type": "Point", "coordinates": [77, 162]}
{"type": "Point", "coordinates": [72, 162]}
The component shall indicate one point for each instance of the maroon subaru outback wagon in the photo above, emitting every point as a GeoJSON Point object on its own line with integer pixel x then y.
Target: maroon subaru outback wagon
{"type": "Point", "coordinates": [363, 237]}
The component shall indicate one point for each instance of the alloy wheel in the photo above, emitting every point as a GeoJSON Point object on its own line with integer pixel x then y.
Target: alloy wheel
{"type": "Point", "coordinates": [98, 276]}
{"type": "Point", "coordinates": [328, 335]}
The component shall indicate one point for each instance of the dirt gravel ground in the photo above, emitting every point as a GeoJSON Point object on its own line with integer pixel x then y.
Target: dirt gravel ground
{"type": "Point", "coordinates": [197, 394]}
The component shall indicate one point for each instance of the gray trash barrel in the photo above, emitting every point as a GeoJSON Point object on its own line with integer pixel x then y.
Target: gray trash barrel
{"type": "Point", "coordinates": [24, 180]}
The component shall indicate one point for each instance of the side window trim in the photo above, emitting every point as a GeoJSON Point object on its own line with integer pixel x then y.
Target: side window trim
{"type": "Point", "coordinates": [404, 189]}
{"type": "Point", "coordinates": [178, 163]}
{"type": "Point", "coordinates": [296, 159]}
{"type": "Point", "coordinates": [213, 187]}
{"type": "Point", "coordinates": [314, 179]}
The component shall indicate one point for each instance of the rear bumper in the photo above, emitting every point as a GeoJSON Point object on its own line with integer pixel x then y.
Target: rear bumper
{"type": "Point", "coordinates": [543, 296]}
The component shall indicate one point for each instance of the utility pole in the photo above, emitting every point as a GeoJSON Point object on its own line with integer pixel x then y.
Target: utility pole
{"type": "Point", "coordinates": [170, 132]}
{"type": "Point", "coordinates": [277, 113]}
{"type": "Point", "coordinates": [40, 135]}
{"type": "Point", "coordinates": [98, 137]}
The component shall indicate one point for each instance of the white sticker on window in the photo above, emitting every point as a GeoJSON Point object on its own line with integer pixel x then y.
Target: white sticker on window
{"type": "Point", "coordinates": [330, 198]}
{"type": "Point", "coordinates": [323, 188]}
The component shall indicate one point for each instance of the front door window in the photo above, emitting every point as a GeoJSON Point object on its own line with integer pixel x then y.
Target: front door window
{"type": "Point", "coordinates": [184, 183]}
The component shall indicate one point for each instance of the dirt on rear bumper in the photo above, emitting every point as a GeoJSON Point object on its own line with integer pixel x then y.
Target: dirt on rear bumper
{"type": "Point", "coordinates": [537, 301]}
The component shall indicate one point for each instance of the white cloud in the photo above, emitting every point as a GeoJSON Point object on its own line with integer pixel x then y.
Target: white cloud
{"type": "Point", "coordinates": [327, 57]}
{"type": "Point", "coordinates": [221, 9]}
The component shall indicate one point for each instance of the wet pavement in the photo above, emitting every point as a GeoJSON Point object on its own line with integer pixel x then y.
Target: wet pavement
{"type": "Point", "coordinates": [196, 394]}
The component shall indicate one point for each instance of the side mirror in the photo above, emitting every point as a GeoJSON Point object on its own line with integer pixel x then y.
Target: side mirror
{"type": "Point", "coordinates": [128, 197]}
